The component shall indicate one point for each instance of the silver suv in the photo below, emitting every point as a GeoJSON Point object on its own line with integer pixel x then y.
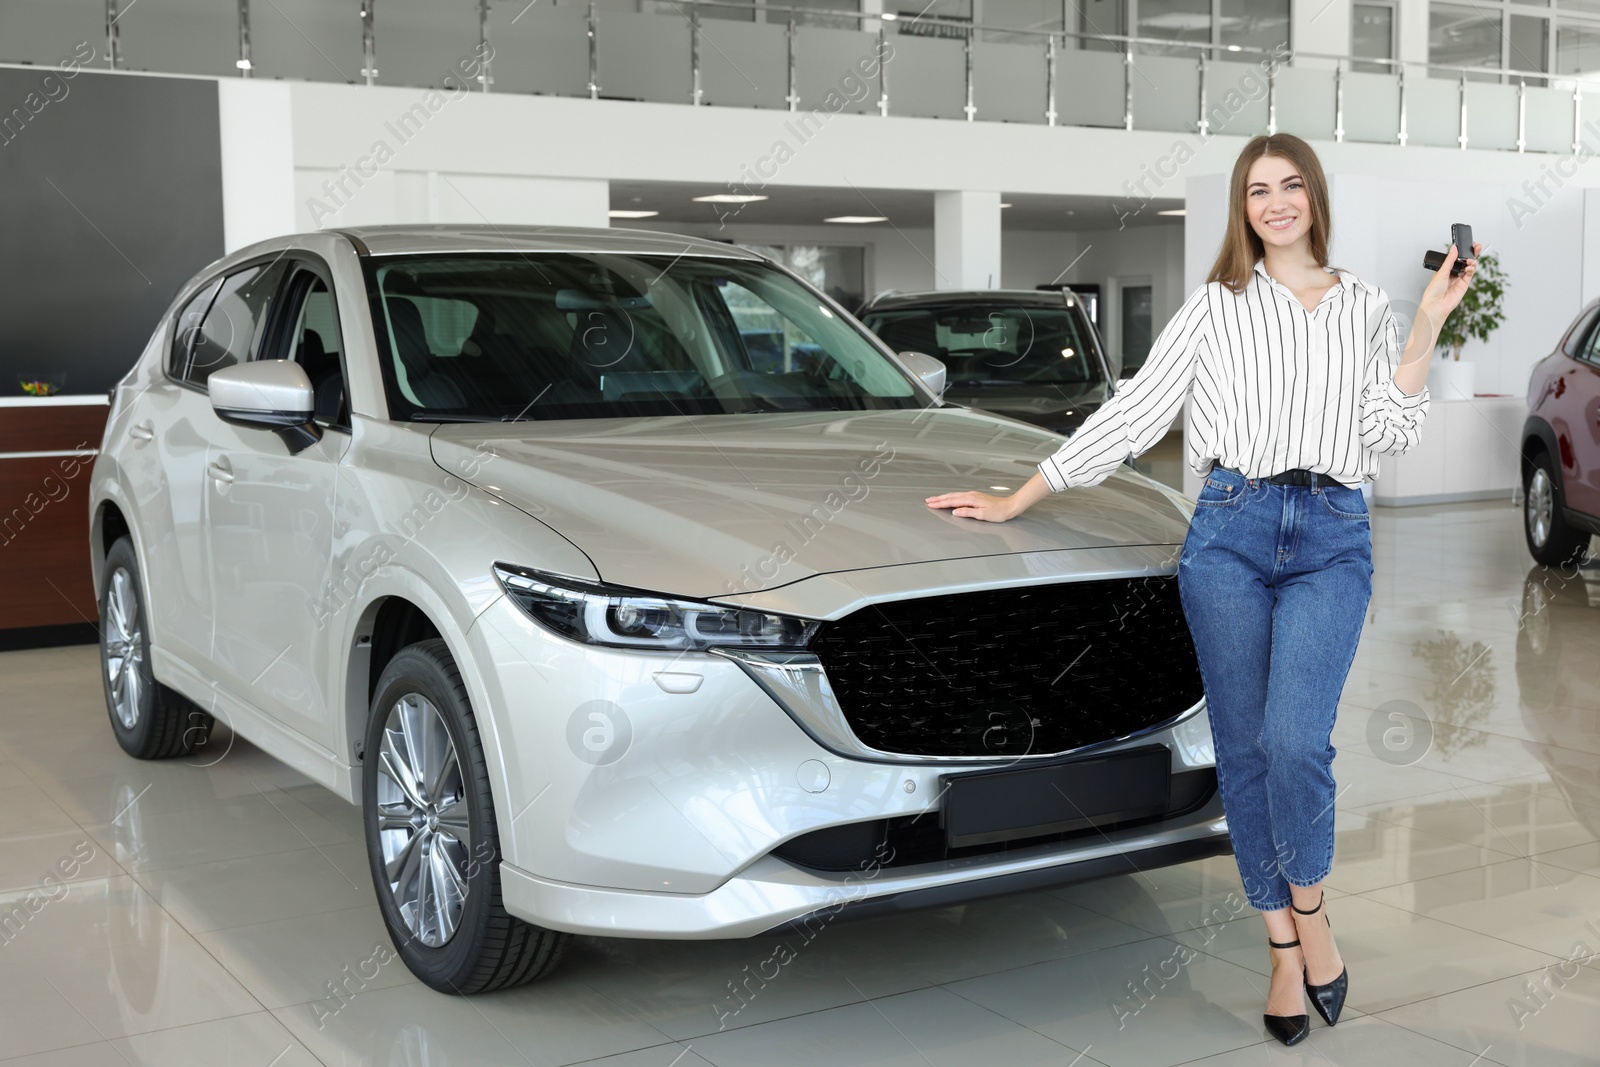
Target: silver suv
{"type": "Point", "coordinates": [616, 622]}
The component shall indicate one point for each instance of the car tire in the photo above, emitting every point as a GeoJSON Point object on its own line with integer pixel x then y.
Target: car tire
{"type": "Point", "coordinates": [432, 837]}
{"type": "Point", "coordinates": [1551, 539]}
{"type": "Point", "coordinates": [150, 721]}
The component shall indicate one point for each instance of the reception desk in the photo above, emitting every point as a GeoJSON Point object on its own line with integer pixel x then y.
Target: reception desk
{"type": "Point", "coordinates": [47, 451]}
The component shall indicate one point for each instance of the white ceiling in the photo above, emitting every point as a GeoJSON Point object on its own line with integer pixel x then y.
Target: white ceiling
{"type": "Point", "coordinates": [789, 205]}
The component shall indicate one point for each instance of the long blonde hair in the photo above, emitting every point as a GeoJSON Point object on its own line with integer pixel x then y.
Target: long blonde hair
{"type": "Point", "coordinates": [1241, 246]}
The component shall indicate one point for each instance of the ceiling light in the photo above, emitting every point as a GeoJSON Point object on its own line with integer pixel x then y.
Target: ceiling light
{"type": "Point", "coordinates": [729, 198]}
{"type": "Point", "coordinates": [623, 213]}
{"type": "Point", "coordinates": [858, 218]}
{"type": "Point", "coordinates": [1005, 205]}
{"type": "Point", "coordinates": [888, 16]}
{"type": "Point", "coordinates": [1176, 212]}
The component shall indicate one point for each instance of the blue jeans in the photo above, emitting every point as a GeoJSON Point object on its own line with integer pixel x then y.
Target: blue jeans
{"type": "Point", "coordinates": [1275, 581]}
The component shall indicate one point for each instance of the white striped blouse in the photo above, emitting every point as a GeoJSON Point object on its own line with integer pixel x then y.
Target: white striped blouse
{"type": "Point", "coordinates": [1275, 387]}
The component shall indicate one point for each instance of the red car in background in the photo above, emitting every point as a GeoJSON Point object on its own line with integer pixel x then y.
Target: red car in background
{"type": "Point", "coordinates": [1561, 446]}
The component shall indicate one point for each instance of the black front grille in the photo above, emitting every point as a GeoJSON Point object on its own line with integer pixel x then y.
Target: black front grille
{"type": "Point", "coordinates": [1033, 670]}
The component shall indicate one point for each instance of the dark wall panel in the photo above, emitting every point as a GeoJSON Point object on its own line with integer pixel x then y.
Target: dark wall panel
{"type": "Point", "coordinates": [110, 198]}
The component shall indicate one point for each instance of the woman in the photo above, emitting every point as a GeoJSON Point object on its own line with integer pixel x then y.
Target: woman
{"type": "Point", "coordinates": [1291, 366]}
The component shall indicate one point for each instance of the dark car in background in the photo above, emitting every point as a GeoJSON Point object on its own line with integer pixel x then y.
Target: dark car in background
{"type": "Point", "coordinates": [1028, 354]}
{"type": "Point", "coordinates": [1561, 445]}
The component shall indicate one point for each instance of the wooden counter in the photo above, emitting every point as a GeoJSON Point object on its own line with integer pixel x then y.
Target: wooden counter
{"type": "Point", "coordinates": [47, 451]}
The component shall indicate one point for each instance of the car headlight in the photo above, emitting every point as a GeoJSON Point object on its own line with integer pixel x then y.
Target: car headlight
{"type": "Point", "coordinates": [599, 614]}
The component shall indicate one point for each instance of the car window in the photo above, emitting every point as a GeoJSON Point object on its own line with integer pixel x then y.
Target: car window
{"type": "Point", "coordinates": [994, 343]}
{"type": "Point", "coordinates": [232, 326]}
{"type": "Point", "coordinates": [603, 335]}
{"type": "Point", "coordinates": [1589, 349]}
{"type": "Point", "coordinates": [772, 342]}
{"type": "Point", "coordinates": [1578, 336]}
{"type": "Point", "coordinates": [187, 327]}
{"type": "Point", "coordinates": [317, 344]}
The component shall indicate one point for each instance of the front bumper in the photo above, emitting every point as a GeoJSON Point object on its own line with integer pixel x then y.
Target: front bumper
{"type": "Point", "coordinates": [771, 893]}
{"type": "Point", "coordinates": [672, 834]}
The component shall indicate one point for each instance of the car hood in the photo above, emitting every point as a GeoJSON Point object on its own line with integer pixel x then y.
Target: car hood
{"type": "Point", "coordinates": [705, 506]}
{"type": "Point", "coordinates": [1061, 408]}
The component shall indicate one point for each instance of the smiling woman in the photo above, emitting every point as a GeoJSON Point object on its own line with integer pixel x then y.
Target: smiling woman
{"type": "Point", "coordinates": [1298, 385]}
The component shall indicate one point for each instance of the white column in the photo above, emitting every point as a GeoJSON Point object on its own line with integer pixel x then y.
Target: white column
{"type": "Point", "coordinates": [1412, 31]}
{"type": "Point", "coordinates": [870, 7]}
{"type": "Point", "coordinates": [966, 240]}
{"type": "Point", "coordinates": [1589, 279]}
{"type": "Point", "coordinates": [519, 200]}
{"type": "Point", "coordinates": [1322, 27]}
{"type": "Point", "coordinates": [258, 179]}
{"type": "Point", "coordinates": [1205, 201]}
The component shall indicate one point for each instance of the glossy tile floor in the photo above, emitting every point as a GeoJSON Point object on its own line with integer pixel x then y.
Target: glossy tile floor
{"type": "Point", "coordinates": [217, 910]}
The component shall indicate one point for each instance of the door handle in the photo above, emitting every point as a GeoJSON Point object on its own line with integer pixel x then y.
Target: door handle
{"type": "Point", "coordinates": [219, 470]}
{"type": "Point", "coordinates": [143, 433]}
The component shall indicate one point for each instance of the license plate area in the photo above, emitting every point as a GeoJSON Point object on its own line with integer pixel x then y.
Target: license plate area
{"type": "Point", "coordinates": [1015, 802]}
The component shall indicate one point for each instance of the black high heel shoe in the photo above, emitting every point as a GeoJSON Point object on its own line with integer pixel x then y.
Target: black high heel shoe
{"type": "Point", "coordinates": [1328, 998]}
{"type": "Point", "coordinates": [1290, 1029]}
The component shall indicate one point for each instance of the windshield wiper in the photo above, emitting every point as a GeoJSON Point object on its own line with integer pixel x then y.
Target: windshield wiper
{"type": "Point", "coordinates": [426, 416]}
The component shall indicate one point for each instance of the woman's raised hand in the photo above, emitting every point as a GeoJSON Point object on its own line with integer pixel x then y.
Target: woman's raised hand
{"type": "Point", "coordinates": [1445, 290]}
{"type": "Point", "coordinates": [971, 504]}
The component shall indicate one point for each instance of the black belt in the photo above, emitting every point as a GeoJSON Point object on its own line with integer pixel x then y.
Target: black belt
{"type": "Point", "coordinates": [1298, 476]}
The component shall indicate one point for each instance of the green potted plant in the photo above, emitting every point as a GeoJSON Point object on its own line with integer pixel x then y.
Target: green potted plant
{"type": "Point", "coordinates": [1480, 313]}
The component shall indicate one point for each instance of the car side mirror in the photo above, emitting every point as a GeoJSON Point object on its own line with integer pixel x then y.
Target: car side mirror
{"type": "Point", "coordinates": [928, 370]}
{"type": "Point", "coordinates": [274, 394]}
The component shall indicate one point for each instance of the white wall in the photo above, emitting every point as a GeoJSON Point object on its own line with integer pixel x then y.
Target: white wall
{"type": "Point", "coordinates": [560, 137]}
{"type": "Point", "coordinates": [1038, 257]}
{"type": "Point", "coordinates": [1111, 256]}
{"type": "Point", "coordinates": [327, 198]}
{"type": "Point", "coordinates": [258, 178]}
{"type": "Point", "coordinates": [1380, 233]}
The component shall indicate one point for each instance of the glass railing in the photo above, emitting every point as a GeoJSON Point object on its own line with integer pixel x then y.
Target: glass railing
{"type": "Point", "coordinates": [726, 53]}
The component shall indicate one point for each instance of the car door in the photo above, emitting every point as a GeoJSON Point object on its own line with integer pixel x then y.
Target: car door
{"type": "Point", "coordinates": [1579, 406]}
{"type": "Point", "coordinates": [216, 327]}
{"type": "Point", "coordinates": [269, 522]}
{"type": "Point", "coordinates": [164, 453]}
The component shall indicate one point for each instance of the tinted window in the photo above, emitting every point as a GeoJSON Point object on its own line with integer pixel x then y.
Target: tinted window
{"type": "Point", "coordinates": [187, 327]}
{"type": "Point", "coordinates": [232, 327]}
{"type": "Point", "coordinates": [994, 344]}
{"type": "Point", "coordinates": [596, 335]}
{"type": "Point", "coordinates": [1574, 343]}
{"type": "Point", "coordinates": [1137, 310]}
{"type": "Point", "coordinates": [316, 344]}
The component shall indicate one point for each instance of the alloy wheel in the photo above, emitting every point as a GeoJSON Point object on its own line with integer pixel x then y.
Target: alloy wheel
{"type": "Point", "coordinates": [423, 823]}
{"type": "Point", "coordinates": [124, 648]}
{"type": "Point", "coordinates": [1541, 507]}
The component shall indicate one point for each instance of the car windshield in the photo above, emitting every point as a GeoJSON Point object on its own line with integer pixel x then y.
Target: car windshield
{"type": "Point", "coordinates": [994, 343]}
{"type": "Point", "coordinates": [600, 335]}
